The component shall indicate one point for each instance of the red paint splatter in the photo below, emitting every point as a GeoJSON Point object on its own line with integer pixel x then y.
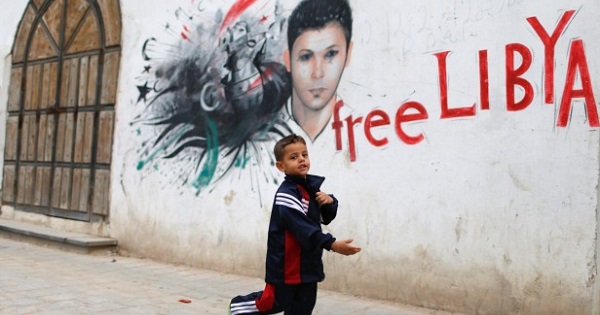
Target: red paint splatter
{"type": "Point", "coordinates": [185, 32]}
{"type": "Point", "coordinates": [263, 19]}
{"type": "Point", "coordinates": [267, 75]}
{"type": "Point", "coordinates": [184, 36]}
{"type": "Point", "coordinates": [256, 83]}
{"type": "Point", "coordinates": [234, 12]}
{"type": "Point", "coordinates": [186, 301]}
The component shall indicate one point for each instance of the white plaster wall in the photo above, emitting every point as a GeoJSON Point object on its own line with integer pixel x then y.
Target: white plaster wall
{"type": "Point", "coordinates": [491, 214]}
{"type": "Point", "coordinates": [10, 16]}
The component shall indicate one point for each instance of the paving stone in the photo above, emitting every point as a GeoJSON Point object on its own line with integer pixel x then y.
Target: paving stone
{"type": "Point", "coordinates": [39, 280]}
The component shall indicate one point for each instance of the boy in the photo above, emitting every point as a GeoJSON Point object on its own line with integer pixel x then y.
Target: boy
{"type": "Point", "coordinates": [295, 241]}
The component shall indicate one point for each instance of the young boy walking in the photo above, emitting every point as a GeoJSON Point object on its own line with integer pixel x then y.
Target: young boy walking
{"type": "Point", "coordinates": [295, 241]}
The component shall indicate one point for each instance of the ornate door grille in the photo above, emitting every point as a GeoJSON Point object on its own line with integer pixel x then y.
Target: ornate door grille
{"type": "Point", "coordinates": [61, 108]}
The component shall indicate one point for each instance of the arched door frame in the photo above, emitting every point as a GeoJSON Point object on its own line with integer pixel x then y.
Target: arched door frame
{"type": "Point", "coordinates": [31, 176]}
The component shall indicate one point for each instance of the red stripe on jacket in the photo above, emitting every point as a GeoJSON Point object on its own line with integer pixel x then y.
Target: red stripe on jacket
{"type": "Point", "coordinates": [292, 259]}
{"type": "Point", "coordinates": [293, 251]}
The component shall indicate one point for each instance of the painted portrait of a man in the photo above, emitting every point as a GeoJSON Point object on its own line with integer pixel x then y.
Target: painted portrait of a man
{"type": "Point", "coordinates": [239, 83]}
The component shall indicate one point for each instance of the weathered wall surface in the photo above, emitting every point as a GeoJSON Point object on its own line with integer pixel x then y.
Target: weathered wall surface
{"type": "Point", "coordinates": [465, 155]}
{"type": "Point", "coordinates": [10, 17]}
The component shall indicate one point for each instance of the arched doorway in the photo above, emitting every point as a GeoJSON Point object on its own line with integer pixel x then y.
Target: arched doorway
{"type": "Point", "coordinates": [61, 108]}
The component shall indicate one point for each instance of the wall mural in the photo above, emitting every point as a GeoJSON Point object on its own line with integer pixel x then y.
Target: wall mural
{"type": "Point", "coordinates": [226, 82]}
{"type": "Point", "coordinates": [213, 89]}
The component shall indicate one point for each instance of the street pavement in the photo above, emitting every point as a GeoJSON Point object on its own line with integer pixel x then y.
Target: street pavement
{"type": "Point", "coordinates": [39, 280]}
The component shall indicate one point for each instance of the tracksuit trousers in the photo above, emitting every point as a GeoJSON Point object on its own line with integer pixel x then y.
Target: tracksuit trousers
{"type": "Point", "coordinates": [298, 299]}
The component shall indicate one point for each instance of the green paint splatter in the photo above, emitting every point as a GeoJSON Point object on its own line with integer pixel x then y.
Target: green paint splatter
{"type": "Point", "coordinates": [212, 156]}
{"type": "Point", "coordinates": [141, 164]}
{"type": "Point", "coordinates": [242, 160]}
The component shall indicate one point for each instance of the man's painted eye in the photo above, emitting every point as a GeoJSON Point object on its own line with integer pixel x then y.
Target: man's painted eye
{"type": "Point", "coordinates": [332, 53]}
{"type": "Point", "coordinates": [305, 57]}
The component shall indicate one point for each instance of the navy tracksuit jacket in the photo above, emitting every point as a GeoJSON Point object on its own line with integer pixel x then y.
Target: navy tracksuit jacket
{"type": "Point", "coordinates": [296, 241]}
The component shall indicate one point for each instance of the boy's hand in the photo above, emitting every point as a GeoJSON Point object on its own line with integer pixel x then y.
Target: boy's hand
{"type": "Point", "coordinates": [323, 198]}
{"type": "Point", "coordinates": [344, 247]}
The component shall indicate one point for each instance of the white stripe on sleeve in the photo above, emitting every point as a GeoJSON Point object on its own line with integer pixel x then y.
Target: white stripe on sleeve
{"type": "Point", "coordinates": [290, 201]}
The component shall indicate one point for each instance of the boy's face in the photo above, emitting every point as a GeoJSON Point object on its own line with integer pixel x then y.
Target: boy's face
{"type": "Point", "coordinates": [295, 160]}
{"type": "Point", "coordinates": [316, 63]}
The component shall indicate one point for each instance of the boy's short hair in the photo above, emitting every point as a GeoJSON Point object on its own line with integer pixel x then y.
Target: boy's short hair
{"type": "Point", "coordinates": [316, 14]}
{"type": "Point", "coordinates": [284, 142]}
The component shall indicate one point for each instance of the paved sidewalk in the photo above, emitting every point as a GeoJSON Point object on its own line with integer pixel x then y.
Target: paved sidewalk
{"type": "Point", "coordinates": [39, 280]}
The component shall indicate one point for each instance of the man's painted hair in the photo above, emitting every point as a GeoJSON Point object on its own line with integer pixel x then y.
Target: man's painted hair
{"type": "Point", "coordinates": [316, 14]}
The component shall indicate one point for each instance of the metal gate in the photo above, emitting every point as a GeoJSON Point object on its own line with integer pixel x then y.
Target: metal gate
{"type": "Point", "coordinates": [61, 108]}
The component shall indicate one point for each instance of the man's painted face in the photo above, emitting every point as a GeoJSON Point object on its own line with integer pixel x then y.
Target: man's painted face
{"type": "Point", "coordinates": [317, 61]}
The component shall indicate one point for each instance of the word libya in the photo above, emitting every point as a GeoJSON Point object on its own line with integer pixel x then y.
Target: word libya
{"type": "Point", "coordinates": [413, 111]}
